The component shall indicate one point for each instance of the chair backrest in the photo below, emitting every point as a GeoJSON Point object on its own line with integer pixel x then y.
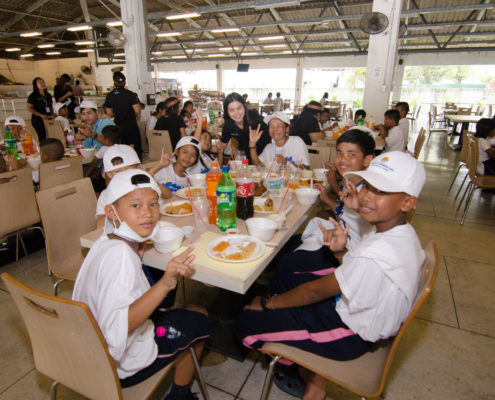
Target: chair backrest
{"type": "Point", "coordinates": [59, 172]}
{"type": "Point", "coordinates": [18, 207]}
{"type": "Point", "coordinates": [420, 140]}
{"type": "Point", "coordinates": [464, 110]}
{"type": "Point", "coordinates": [67, 212]}
{"type": "Point", "coordinates": [156, 140]}
{"type": "Point", "coordinates": [142, 133]}
{"type": "Point", "coordinates": [54, 130]}
{"type": "Point", "coordinates": [464, 154]}
{"type": "Point", "coordinates": [318, 155]}
{"type": "Point", "coordinates": [473, 155]}
{"type": "Point", "coordinates": [67, 343]}
{"type": "Point", "coordinates": [253, 106]}
{"type": "Point", "coordinates": [418, 109]}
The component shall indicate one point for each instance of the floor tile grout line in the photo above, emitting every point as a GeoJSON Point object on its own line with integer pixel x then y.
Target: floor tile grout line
{"type": "Point", "coordinates": [220, 389]}
{"type": "Point", "coordinates": [248, 375]}
{"type": "Point", "coordinates": [18, 380]}
{"type": "Point", "coordinates": [451, 291]}
{"type": "Point", "coordinates": [453, 327]}
{"type": "Point", "coordinates": [467, 260]}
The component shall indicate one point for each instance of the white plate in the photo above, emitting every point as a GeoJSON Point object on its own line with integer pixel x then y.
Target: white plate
{"type": "Point", "coordinates": [174, 203]}
{"type": "Point", "coordinates": [258, 252]}
{"type": "Point", "coordinates": [260, 201]}
{"type": "Point", "coordinates": [182, 192]}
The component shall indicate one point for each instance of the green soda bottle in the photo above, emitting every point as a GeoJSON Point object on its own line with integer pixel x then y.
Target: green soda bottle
{"type": "Point", "coordinates": [226, 201]}
{"type": "Point", "coordinates": [11, 144]}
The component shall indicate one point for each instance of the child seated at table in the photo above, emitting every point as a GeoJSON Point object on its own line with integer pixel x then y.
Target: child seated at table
{"type": "Point", "coordinates": [51, 149]}
{"type": "Point", "coordinates": [111, 136]}
{"type": "Point", "coordinates": [63, 112]}
{"type": "Point", "coordinates": [359, 123]}
{"type": "Point", "coordinates": [186, 162]}
{"type": "Point", "coordinates": [118, 158]}
{"type": "Point", "coordinates": [403, 108]}
{"type": "Point", "coordinates": [390, 131]}
{"type": "Point", "coordinates": [368, 297]}
{"type": "Point", "coordinates": [485, 130]}
{"type": "Point", "coordinates": [325, 123]}
{"type": "Point", "coordinates": [141, 337]}
{"type": "Point", "coordinates": [206, 157]}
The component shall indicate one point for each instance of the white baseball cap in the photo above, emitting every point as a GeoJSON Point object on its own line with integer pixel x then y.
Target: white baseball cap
{"type": "Point", "coordinates": [395, 172]}
{"type": "Point", "coordinates": [58, 106]}
{"type": "Point", "coordinates": [185, 140]}
{"type": "Point", "coordinates": [14, 120]}
{"type": "Point", "coordinates": [88, 104]}
{"type": "Point", "coordinates": [126, 153]}
{"type": "Point", "coordinates": [127, 181]}
{"type": "Point", "coordinates": [280, 115]}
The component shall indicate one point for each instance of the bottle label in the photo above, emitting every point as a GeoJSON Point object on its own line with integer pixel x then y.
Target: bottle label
{"type": "Point", "coordinates": [245, 189]}
{"type": "Point", "coordinates": [226, 198]}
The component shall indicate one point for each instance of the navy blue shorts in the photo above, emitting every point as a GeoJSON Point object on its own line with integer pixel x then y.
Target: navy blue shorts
{"type": "Point", "coordinates": [182, 329]}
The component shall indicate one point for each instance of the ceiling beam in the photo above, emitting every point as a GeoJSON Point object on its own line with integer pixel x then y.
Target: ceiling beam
{"type": "Point", "coordinates": [421, 16]}
{"type": "Point", "coordinates": [33, 7]}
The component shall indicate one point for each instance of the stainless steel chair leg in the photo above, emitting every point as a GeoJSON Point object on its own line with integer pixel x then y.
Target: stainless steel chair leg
{"type": "Point", "coordinates": [55, 286]}
{"type": "Point", "coordinates": [462, 184]}
{"type": "Point", "coordinates": [455, 176]}
{"type": "Point", "coordinates": [53, 390]}
{"type": "Point", "coordinates": [269, 378]}
{"type": "Point", "coordinates": [464, 195]}
{"type": "Point", "coordinates": [202, 383]}
{"type": "Point", "coordinates": [468, 201]}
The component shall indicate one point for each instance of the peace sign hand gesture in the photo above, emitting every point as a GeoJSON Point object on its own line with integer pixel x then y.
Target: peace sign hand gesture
{"type": "Point", "coordinates": [335, 239]}
{"type": "Point", "coordinates": [254, 136]}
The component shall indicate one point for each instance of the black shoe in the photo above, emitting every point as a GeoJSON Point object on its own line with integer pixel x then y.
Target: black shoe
{"type": "Point", "coordinates": [185, 396]}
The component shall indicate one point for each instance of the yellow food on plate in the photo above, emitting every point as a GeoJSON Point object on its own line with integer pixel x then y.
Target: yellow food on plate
{"type": "Point", "coordinates": [195, 191]}
{"type": "Point", "coordinates": [221, 246]}
{"type": "Point", "coordinates": [238, 252]}
{"type": "Point", "coordinates": [179, 209]}
{"type": "Point", "coordinates": [257, 208]}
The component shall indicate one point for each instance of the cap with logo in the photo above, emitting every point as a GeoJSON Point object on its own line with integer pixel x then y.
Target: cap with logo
{"type": "Point", "coordinates": [280, 115]}
{"type": "Point", "coordinates": [394, 172]}
{"type": "Point", "coordinates": [126, 153]}
{"type": "Point", "coordinates": [127, 181]}
{"type": "Point", "coordinates": [15, 120]}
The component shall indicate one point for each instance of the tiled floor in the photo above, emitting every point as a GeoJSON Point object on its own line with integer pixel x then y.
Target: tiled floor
{"type": "Point", "coordinates": [448, 352]}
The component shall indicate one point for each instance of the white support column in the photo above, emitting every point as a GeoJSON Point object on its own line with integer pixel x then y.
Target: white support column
{"type": "Point", "coordinates": [398, 78]}
{"type": "Point", "coordinates": [137, 66]}
{"type": "Point", "coordinates": [299, 82]}
{"type": "Point", "coordinates": [382, 53]}
{"type": "Point", "coordinates": [220, 76]}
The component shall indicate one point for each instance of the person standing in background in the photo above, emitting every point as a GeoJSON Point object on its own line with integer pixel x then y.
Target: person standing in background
{"type": "Point", "coordinates": [124, 105]}
{"type": "Point", "coordinates": [77, 89]}
{"type": "Point", "coordinates": [268, 99]}
{"type": "Point", "coordinates": [39, 104]}
{"type": "Point", "coordinates": [278, 103]}
{"type": "Point", "coordinates": [63, 94]}
{"type": "Point", "coordinates": [172, 121]}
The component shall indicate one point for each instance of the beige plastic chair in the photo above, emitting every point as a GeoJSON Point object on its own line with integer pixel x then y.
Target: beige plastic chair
{"type": "Point", "coordinates": [59, 172]}
{"type": "Point", "coordinates": [413, 118]}
{"type": "Point", "coordinates": [318, 155]}
{"type": "Point", "coordinates": [156, 141]}
{"type": "Point", "coordinates": [142, 133]}
{"type": "Point", "coordinates": [463, 158]}
{"type": "Point", "coordinates": [67, 212]}
{"type": "Point", "coordinates": [365, 375]}
{"type": "Point", "coordinates": [475, 181]}
{"type": "Point", "coordinates": [420, 140]}
{"type": "Point", "coordinates": [54, 130]}
{"type": "Point", "coordinates": [464, 110]}
{"type": "Point", "coordinates": [432, 129]}
{"type": "Point", "coordinates": [69, 347]}
{"type": "Point", "coordinates": [18, 209]}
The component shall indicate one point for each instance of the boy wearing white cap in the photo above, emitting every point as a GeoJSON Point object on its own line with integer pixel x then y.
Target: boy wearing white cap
{"type": "Point", "coordinates": [62, 113]}
{"type": "Point", "coordinates": [90, 130]}
{"type": "Point", "coordinates": [15, 125]}
{"type": "Point", "coordinates": [141, 337]}
{"type": "Point", "coordinates": [282, 146]}
{"type": "Point", "coordinates": [369, 295]}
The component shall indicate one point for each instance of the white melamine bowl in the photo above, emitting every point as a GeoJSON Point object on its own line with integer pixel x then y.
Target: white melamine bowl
{"type": "Point", "coordinates": [261, 228]}
{"type": "Point", "coordinates": [197, 179]}
{"type": "Point", "coordinates": [307, 196]}
{"type": "Point", "coordinates": [168, 239]}
{"type": "Point", "coordinates": [87, 152]}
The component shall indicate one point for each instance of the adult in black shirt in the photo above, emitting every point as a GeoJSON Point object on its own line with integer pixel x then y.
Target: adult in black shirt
{"type": "Point", "coordinates": [307, 126]}
{"type": "Point", "coordinates": [124, 106]}
{"type": "Point", "coordinates": [63, 94]}
{"type": "Point", "coordinates": [39, 104]}
{"type": "Point", "coordinates": [237, 124]}
{"type": "Point", "coordinates": [172, 121]}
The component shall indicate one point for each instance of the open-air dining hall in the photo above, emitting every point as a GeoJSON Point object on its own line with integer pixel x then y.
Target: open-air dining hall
{"type": "Point", "coordinates": [240, 200]}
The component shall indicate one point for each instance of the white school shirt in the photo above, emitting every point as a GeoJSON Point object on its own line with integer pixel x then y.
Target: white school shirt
{"type": "Point", "coordinates": [64, 122]}
{"type": "Point", "coordinates": [404, 127]}
{"type": "Point", "coordinates": [378, 282]}
{"type": "Point", "coordinates": [151, 123]}
{"type": "Point", "coordinates": [100, 203]}
{"type": "Point", "coordinates": [109, 281]}
{"type": "Point", "coordinates": [394, 140]}
{"type": "Point", "coordinates": [167, 176]}
{"type": "Point", "coordinates": [294, 147]}
{"type": "Point", "coordinates": [484, 145]}
{"type": "Point", "coordinates": [99, 155]}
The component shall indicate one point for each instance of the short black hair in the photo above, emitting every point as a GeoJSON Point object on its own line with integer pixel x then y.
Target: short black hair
{"type": "Point", "coordinates": [311, 110]}
{"type": "Point", "coordinates": [404, 105]}
{"type": "Point", "coordinates": [325, 111]}
{"type": "Point", "coordinates": [111, 133]}
{"type": "Point", "coordinates": [360, 113]}
{"type": "Point", "coordinates": [484, 127]}
{"type": "Point", "coordinates": [363, 139]}
{"type": "Point", "coordinates": [393, 114]}
{"type": "Point", "coordinates": [53, 148]}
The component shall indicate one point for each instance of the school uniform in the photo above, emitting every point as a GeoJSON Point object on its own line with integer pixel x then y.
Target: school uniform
{"type": "Point", "coordinates": [378, 282]}
{"type": "Point", "coordinates": [42, 104]}
{"type": "Point", "coordinates": [121, 101]}
{"type": "Point", "coordinates": [395, 140]}
{"type": "Point", "coordinates": [294, 148]}
{"type": "Point", "coordinates": [109, 281]}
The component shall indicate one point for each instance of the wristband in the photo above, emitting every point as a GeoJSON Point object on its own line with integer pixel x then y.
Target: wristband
{"type": "Point", "coordinates": [263, 301]}
{"type": "Point", "coordinates": [252, 147]}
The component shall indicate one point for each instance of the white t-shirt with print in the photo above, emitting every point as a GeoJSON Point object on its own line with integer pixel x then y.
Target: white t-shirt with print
{"type": "Point", "coordinates": [378, 281]}
{"type": "Point", "coordinates": [109, 281]}
{"type": "Point", "coordinates": [395, 140]}
{"type": "Point", "coordinates": [167, 176]}
{"type": "Point", "coordinates": [484, 145]}
{"type": "Point", "coordinates": [294, 147]}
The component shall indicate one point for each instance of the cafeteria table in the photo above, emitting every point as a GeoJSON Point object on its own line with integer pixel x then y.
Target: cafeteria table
{"type": "Point", "coordinates": [229, 277]}
{"type": "Point", "coordinates": [465, 120]}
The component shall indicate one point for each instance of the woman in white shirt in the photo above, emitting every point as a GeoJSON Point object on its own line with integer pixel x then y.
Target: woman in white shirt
{"type": "Point", "coordinates": [282, 147]}
{"type": "Point", "coordinates": [159, 112]}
